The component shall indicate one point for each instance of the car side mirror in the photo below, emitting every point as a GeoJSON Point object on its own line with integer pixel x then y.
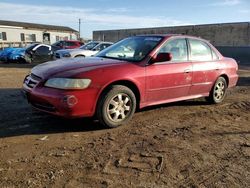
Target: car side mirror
{"type": "Point", "coordinates": [162, 57]}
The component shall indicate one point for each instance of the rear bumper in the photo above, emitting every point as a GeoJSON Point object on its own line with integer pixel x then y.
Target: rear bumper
{"type": "Point", "coordinates": [233, 80]}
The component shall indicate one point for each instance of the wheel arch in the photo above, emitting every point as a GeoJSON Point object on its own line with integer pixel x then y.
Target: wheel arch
{"type": "Point", "coordinates": [79, 55]}
{"type": "Point", "coordinates": [128, 83]}
{"type": "Point", "coordinates": [225, 77]}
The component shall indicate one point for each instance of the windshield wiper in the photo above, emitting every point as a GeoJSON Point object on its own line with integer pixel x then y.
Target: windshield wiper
{"type": "Point", "coordinates": [108, 57]}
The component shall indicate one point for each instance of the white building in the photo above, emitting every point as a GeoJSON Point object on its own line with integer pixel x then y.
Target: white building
{"type": "Point", "coordinates": [20, 33]}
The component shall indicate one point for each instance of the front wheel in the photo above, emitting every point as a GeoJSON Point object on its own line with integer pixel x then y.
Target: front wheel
{"type": "Point", "coordinates": [218, 92]}
{"type": "Point", "coordinates": [116, 106]}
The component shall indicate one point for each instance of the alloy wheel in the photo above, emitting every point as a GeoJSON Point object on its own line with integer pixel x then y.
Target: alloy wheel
{"type": "Point", "coordinates": [119, 107]}
{"type": "Point", "coordinates": [219, 90]}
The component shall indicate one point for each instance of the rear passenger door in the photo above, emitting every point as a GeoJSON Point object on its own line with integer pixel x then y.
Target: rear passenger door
{"type": "Point", "coordinates": [205, 66]}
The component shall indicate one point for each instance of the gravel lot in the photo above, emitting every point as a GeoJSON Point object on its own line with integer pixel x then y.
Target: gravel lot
{"type": "Point", "coordinates": [184, 144]}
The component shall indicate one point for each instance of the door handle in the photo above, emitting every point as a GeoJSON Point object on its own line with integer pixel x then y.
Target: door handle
{"type": "Point", "coordinates": [187, 71]}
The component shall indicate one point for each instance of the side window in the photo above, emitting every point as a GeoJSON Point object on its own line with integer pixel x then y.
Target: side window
{"type": "Point", "coordinates": [107, 45]}
{"type": "Point", "coordinates": [215, 56]}
{"type": "Point", "coordinates": [200, 51]}
{"type": "Point", "coordinates": [103, 46]}
{"type": "Point", "coordinates": [178, 49]}
{"type": "Point", "coordinates": [70, 44]}
{"type": "Point", "coordinates": [98, 47]}
{"type": "Point", "coordinates": [43, 50]}
{"type": "Point", "coordinates": [59, 43]}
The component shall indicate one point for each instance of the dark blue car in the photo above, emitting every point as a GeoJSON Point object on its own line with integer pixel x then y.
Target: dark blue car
{"type": "Point", "coordinates": [34, 52]}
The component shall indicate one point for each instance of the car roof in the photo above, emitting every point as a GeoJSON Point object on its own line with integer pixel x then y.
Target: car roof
{"type": "Point", "coordinates": [174, 35]}
{"type": "Point", "coordinates": [170, 35]}
{"type": "Point", "coordinates": [100, 41]}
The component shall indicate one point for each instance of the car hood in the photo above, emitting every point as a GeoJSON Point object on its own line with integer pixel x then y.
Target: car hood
{"type": "Point", "coordinates": [54, 68]}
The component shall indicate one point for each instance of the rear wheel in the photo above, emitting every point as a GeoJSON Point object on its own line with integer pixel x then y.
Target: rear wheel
{"type": "Point", "coordinates": [116, 106]}
{"type": "Point", "coordinates": [218, 92]}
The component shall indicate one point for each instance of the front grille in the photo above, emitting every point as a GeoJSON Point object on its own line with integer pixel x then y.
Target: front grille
{"type": "Point", "coordinates": [44, 106]}
{"type": "Point", "coordinates": [32, 80]}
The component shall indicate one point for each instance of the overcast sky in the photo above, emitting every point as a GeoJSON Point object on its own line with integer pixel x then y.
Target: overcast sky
{"type": "Point", "coordinates": [121, 14]}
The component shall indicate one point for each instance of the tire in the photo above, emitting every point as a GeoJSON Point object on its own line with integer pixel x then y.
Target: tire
{"type": "Point", "coordinates": [22, 61]}
{"type": "Point", "coordinates": [116, 106]}
{"type": "Point", "coordinates": [218, 92]}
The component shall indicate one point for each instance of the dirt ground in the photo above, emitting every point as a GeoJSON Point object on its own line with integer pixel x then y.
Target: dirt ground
{"type": "Point", "coordinates": [184, 144]}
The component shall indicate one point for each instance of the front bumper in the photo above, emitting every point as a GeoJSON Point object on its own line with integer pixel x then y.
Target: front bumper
{"type": "Point", "coordinates": [53, 101]}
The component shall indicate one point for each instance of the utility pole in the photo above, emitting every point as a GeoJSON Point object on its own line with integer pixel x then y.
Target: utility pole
{"type": "Point", "coordinates": [79, 28]}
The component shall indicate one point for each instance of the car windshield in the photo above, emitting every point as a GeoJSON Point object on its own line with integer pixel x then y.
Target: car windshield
{"type": "Point", "coordinates": [131, 49]}
{"type": "Point", "coordinates": [89, 46]}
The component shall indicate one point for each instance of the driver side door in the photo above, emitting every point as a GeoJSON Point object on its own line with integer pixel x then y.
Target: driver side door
{"type": "Point", "coordinates": [171, 80]}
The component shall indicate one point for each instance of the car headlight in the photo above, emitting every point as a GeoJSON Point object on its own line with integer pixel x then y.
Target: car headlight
{"type": "Point", "coordinates": [66, 55]}
{"type": "Point", "coordinates": [68, 83]}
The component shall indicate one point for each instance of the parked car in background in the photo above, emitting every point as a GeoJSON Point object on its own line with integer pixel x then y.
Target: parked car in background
{"type": "Point", "coordinates": [34, 52]}
{"type": "Point", "coordinates": [5, 54]}
{"type": "Point", "coordinates": [18, 55]}
{"type": "Point", "coordinates": [86, 50]}
{"type": "Point", "coordinates": [111, 85]}
{"type": "Point", "coordinates": [67, 44]}
{"type": "Point", "coordinates": [40, 52]}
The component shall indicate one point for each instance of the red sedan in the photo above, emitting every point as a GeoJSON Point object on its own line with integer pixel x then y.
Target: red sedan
{"type": "Point", "coordinates": [68, 44]}
{"type": "Point", "coordinates": [134, 73]}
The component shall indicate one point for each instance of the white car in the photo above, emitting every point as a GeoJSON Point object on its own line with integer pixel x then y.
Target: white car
{"type": "Point", "coordinates": [86, 50]}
